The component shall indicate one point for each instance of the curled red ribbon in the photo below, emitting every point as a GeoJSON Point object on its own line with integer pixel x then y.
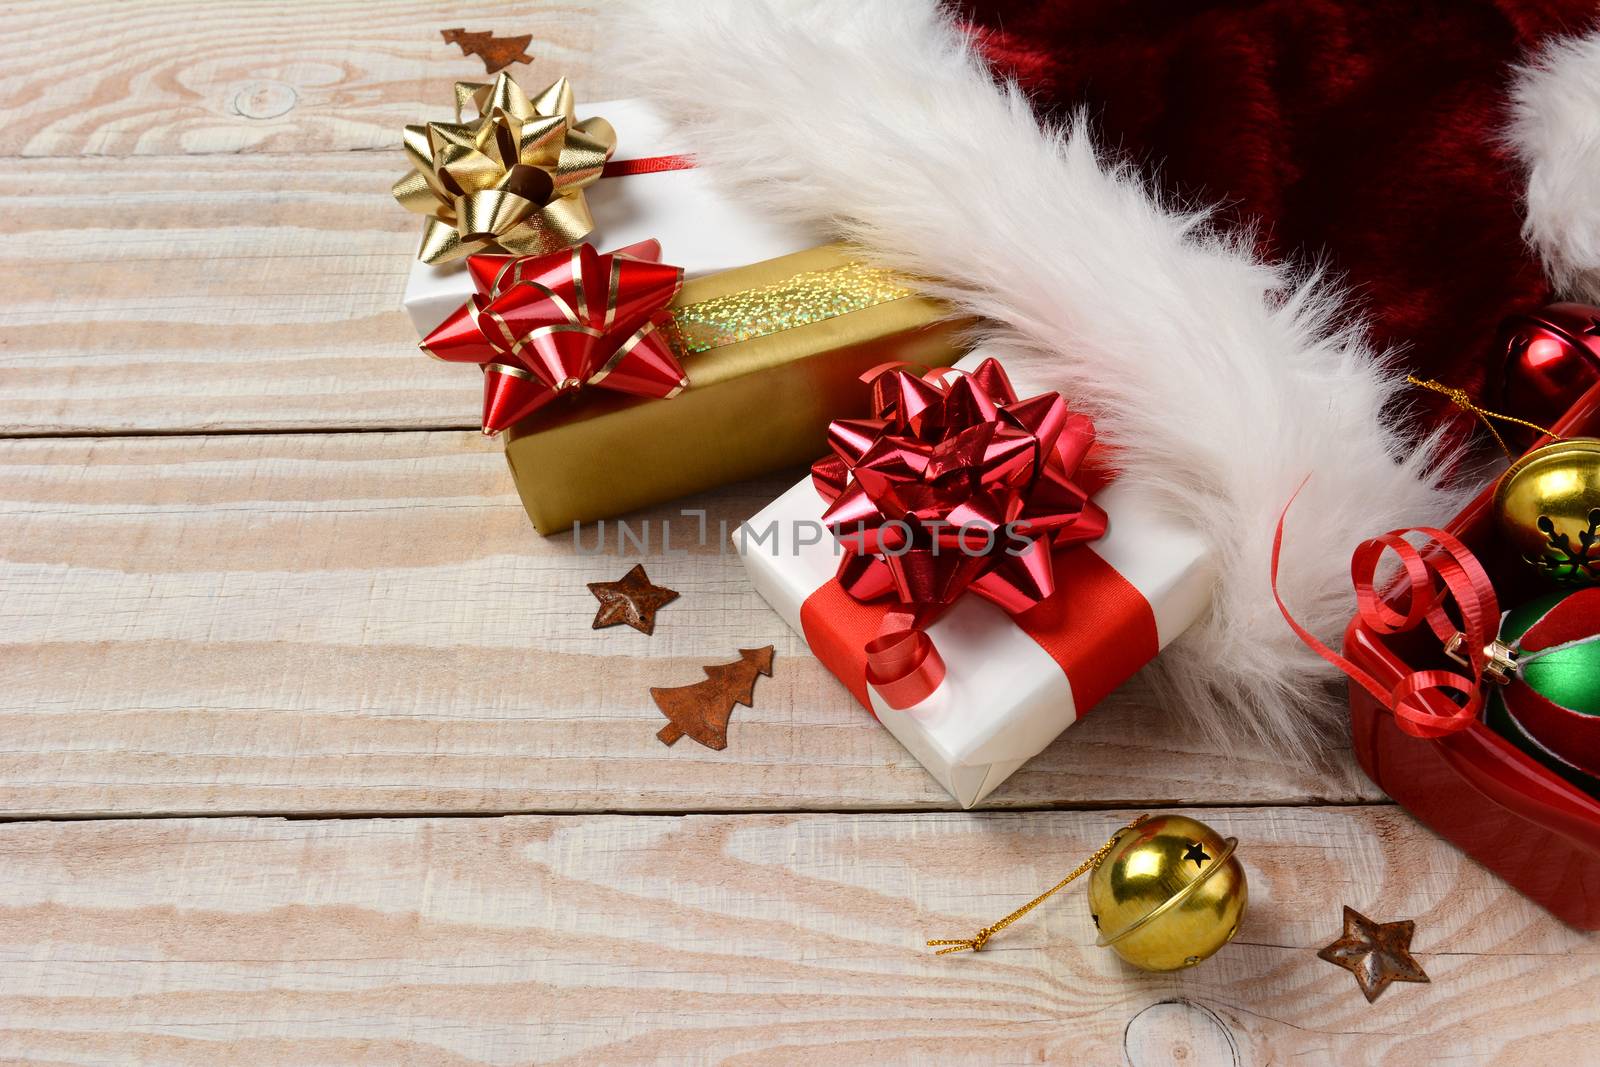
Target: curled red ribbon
{"type": "Point", "coordinates": [953, 485]}
{"type": "Point", "coordinates": [902, 664]}
{"type": "Point", "coordinates": [541, 326]}
{"type": "Point", "coordinates": [1441, 571]}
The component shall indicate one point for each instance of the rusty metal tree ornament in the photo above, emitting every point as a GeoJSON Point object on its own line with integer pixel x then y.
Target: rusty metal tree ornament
{"type": "Point", "coordinates": [701, 711]}
{"type": "Point", "coordinates": [497, 53]}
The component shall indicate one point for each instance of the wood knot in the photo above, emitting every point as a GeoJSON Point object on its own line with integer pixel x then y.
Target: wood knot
{"type": "Point", "coordinates": [264, 99]}
{"type": "Point", "coordinates": [1179, 1033]}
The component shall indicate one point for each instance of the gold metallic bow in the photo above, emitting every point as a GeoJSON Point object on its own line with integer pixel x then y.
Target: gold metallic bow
{"type": "Point", "coordinates": [512, 178]}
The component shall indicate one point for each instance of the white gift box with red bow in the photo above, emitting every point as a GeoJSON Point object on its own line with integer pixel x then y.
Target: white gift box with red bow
{"type": "Point", "coordinates": [1009, 687]}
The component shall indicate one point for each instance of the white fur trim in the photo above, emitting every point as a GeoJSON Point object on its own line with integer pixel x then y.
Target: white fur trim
{"type": "Point", "coordinates": [1556, 133]}
{"type": "Point", "coordinates": [1221, 378]}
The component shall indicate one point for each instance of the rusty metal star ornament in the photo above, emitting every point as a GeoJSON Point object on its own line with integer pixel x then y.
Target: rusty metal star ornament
{"type": "Point", "coordinates": [1376, 953]}
{"type": "Point", "coordinates": [633, 600]}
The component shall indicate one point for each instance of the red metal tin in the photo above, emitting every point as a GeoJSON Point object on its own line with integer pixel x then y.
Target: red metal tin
{"type": "Point", "coordinates": [1532, 828]}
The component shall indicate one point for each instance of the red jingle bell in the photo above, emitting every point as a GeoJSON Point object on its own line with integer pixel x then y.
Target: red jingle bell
{"type": "Point", "coordinates": [1550, 357]}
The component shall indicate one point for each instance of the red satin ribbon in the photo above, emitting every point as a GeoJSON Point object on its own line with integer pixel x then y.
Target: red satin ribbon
{"type": "Point", "coordinates": [949, 449]}
{"type": "Point", "coordinates": [1443, 559]}
{"type": "Point", "coordinates": [838, 627]}
{"type": "Point", "coordinates": [624, 168]}
{"type": "Point", "coordinates": [1096, 626]}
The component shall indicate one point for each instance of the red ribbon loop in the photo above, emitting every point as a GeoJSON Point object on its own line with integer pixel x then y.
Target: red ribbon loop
{"type": "Point", "coordinates": [902, 663]}
{"type": "Point", "coordinates": [545, 325]}
{"type": "Point", "coordinates": [954, 485]}
{"type": "Point", "coordinates": [1442, 571]}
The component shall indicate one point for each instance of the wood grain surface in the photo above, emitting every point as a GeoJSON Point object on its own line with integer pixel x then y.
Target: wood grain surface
{"type": "Point", "coordinates": [213, 293]}
{"type": "Point", "coordinates": [254, 563]}
{"type": "Point", "coordinates": [367, 622]}
{"type": "Point", "coordinates": [192, 77]}
{"type": "Point", "coordinates": [208, 242]}
{"type": "Point", "coordinates": [742, 939]}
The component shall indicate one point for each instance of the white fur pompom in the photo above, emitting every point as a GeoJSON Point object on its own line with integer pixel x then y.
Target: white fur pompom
{"type": "Point", "coordinates": [1556, 132]}
{"type": "Point", "coordinates": [1219, 378]}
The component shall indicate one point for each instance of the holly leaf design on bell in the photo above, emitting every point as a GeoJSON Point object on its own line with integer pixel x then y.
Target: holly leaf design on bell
{"type": "Point", "coordinates": [1548, 508]}
{"type": "Point", "coordinates": [1561, 561]}
{"type": "Point", "coordinates": [511, 177]}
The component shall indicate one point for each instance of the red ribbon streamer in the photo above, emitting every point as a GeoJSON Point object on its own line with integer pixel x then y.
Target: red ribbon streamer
{"type": "Point", "coordinates": [541, 326]}
{"type": "Point", "coordinates": [625, 168]}
{"type": "Point", "coordinates": [837, 628]}
{"type": "Point", "coordinates": [1443, 559]}
{"type": "Point", "coordinates": [954, 485]}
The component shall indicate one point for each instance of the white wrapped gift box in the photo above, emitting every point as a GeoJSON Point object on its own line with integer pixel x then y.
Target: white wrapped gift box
{"type": "Point", "coordinates": [1004, 698]}
{"type": "Point", "coordinates": [700, 230]}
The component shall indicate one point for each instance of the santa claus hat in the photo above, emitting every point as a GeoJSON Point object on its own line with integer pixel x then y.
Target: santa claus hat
{"type": "Point", "coordinates": [1223, 381]}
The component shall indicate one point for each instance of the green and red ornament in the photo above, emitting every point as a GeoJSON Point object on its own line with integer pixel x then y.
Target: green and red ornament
{"type": "Point", "coordinates": [1550, 705]}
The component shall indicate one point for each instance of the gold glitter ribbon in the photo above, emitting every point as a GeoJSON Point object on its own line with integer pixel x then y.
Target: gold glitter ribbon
{"type": "Point", "coordinates": [773, 351]}
{"type": "Point", "coordinates": [512, 178]}
{"type": "Point", "coordinates": [801, 300]}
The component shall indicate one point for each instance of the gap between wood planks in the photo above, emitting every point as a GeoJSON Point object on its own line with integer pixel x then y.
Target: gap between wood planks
{"type": "Point", "coordinates": [56, 157]}
{"type": "Point", "coordinates": [156, 157]}
{"type": "Point", "coordinates": [243, 431]}
{"type": "Point", "coordinates": [1108, 806]}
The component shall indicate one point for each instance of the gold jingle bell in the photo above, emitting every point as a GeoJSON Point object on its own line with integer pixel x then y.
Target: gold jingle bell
{"type": "Point", "coordinates": [1168, 893]}
{"type": "Point", "coordinates": [1548, 507]}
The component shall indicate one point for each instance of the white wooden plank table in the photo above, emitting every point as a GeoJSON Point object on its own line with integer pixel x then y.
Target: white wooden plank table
{"type": "Point", "coordinates": [309, 755]}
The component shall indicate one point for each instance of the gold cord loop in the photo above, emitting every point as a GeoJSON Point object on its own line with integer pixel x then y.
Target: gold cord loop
{"type": "Point", "coordinates": [1460, 399]}
{"type": "Point", "coordinates": [976, 943]}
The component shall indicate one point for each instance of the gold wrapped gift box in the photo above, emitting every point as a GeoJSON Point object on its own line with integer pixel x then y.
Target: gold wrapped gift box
{"type": "Point", "coordinates": [773, 351]}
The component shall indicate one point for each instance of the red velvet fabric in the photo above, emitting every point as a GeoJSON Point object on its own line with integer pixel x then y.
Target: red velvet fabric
{"type": "Point", "coordinates": [1363, 134]}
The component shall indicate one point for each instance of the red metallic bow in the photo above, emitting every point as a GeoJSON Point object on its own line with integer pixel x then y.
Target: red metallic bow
{"type": "Point", "coordinates": [955, 485]}
{"type": "Point", "coordinates": [544, 325]}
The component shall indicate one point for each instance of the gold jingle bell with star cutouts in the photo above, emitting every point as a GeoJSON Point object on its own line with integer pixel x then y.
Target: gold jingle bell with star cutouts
{"type": "Point", "coordinates": [1168, 893]}
{"type": "Point", "coordinates": [1548, 508]}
